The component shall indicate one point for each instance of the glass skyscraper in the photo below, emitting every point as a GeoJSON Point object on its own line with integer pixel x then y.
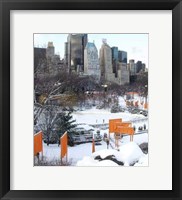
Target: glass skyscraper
{"type": "Point", "coordinates": [122, 56]}
{"type": "Point", "coordinates": [76, 45]}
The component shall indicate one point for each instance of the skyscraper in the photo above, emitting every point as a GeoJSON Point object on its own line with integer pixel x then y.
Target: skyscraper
{"type": "Point", "coordinates": [114, 53]}
{"type": "Point", "coordinates": [132, 67]}
{"type": "Point", "coordinates": [105, 59]}
{"type": "Point", "coordinates": [91, 61]}
{"type": "Point", "coordinates": [50, 51]}
{"type": "Point", "coordinates": [138, 66]}
{"type": "Point", "coordinates": [123, 73]}
{"type": "Point", "coordinates": [46, 61]}
{"type": "Point", "coordinates": [76, 45]}
{"type": "Point", "coordinates": [106, 63]}
{"type": "Point", "coordinates": [39, 58]}
{"type": "Point", "coordinates": [122, 56]}
{"type": "Point", "coordinates": [66, 54]}
{"type": "Point", "coordinates": [143, 67]}
{"type": "Point", "coordinates": [114, 59]}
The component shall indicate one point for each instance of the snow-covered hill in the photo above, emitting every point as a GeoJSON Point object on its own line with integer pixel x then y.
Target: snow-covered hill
{"type": "Point", "coordinates": [81, 155]}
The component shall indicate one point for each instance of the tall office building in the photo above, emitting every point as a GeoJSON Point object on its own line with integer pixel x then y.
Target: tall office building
{"type": "Point", "coordinates": [66, 54]}
{"type": "Point", "coordinates": [143, 67]}
{"type": "Point", "coordinates": [114, 59]}
{"type": "Point", "coordinates": [106, 63]}
{"type": "Point", "coordinates": [138, 66]}
{"type": "Point", "coordinates": [107, 55]}
{"type": "Point", "coordinates": [123, 74]}
{"type": "Point", "coordinates": [105, 59]}
{"type": "Point", "coordinates": [50, 51]}
{"type": "Point", "coordinates": [132, 67]}
{"type": "Point", "coordinates": [114, 53]}
{"type": "Point", "coordinates": [39, 58]}
{"type": "Point", "coordinates": [46, 62]}
{"type": "Point", "coordinates": [75, 51]}
{"type": "Point", "coordinates": [91, 61]}
{"type": "Point", "coordinates": [122, 56]}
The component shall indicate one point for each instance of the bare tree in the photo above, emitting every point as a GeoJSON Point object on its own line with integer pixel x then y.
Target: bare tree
{"type": "Point", "coordinates": [54, 122]}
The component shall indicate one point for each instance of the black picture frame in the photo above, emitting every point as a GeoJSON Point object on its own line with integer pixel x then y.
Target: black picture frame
{"type": "Point", "coordinates": [5, 7]}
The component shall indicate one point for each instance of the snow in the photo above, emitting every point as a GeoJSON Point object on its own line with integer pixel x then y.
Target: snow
{"type": "Point", "coordinates": [95, 116]}
{"type": "Point", "coordinates": [104, 153]}
{"type": "Point", "coordinates": [130, 153]}
{"type": "Point", "coordinates": [138, 139]}
{"type": "Point", "coordinates": [75, 153]}
{"type": "Point", "coordinates": [81, 155]}
{"type": "Point", "coordinates": [122, 102]}
{"type": "Point", "coordinates": [89, 161]}
{"type": "Point", "coordinates": [143, 161]}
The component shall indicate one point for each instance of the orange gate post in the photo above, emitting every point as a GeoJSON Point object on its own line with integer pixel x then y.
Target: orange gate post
{"type": "Point", "coordinates": [93, 145]}
{"type": "Point", "coordinates": [64, 146]}
{"type": "Point", "coordinates": [118, 127]}
{"type": "Point", "coordinates": [38, 146]}
{"type": "Point", "coordinates": [112, 124]}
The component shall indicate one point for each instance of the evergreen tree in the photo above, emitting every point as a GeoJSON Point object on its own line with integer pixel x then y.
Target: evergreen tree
{"type": "Point", "coordinates": [55, 122]}
{"type": "Point", "coordinates": [65, 123]}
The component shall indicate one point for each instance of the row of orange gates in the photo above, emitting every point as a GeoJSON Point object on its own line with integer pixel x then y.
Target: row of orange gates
{"type": "Point", "coordinates": [38, 145]}
{"type": "Point", "coordinates": [136, 103]}
{"type": "Point", "coordinates": [116, 126]}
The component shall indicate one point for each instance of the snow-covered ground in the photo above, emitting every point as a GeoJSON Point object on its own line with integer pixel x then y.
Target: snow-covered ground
{"type": "Point", "coordinates": [128, 154]}
{"type": "Point", "coordinates": [81, 155]}
{"type": "Point", "coordinates": [78, 152]}
{"type": "Point", "coordinates": [95, 116]}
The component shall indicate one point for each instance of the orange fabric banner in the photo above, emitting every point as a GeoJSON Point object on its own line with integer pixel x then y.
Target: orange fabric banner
{"type": "Point", "coordinates": [126, 124]}
{"type": "Point", "coordinates": [112, 124]}
{"type": "Point", "coordinates": [93, 146]}
{"type": "Point", "coordinates": [38, 147]}
{"type": "Point", "coordinates": [115, 125]}
{"type": "Point", "coordinates": [146, 106]}
{"type": "Point", "coordinates": [64, 144]}
{"type": "Point", "coordinates": [125, 130]}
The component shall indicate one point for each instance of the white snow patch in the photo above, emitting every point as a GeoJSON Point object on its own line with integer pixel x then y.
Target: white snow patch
{"type": "Point", "coordinates": [122, 102]}
{"type": "Point", "coordinates": [130, 153]}
{"type": "Point", "coordinates": [143, 161]}
{"type": "Point", "coordinates": [139, 139]}
{"type": "Point", "coordinates": [87, 161]}
{"type": "Point", "coordinates": [95, 116]}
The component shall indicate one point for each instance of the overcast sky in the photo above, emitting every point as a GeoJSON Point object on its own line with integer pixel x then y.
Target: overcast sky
{"type": "Point", "coordinates": [136, 45]}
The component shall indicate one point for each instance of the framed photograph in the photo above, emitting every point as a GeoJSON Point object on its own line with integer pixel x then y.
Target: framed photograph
{"type": "Point", "coordinates": [94, 98]}
{"type": "Point", "coordinates": [90, 99]}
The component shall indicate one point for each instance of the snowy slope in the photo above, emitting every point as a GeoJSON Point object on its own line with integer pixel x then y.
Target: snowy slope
{"type": "Point", "coordinates": [81, 155]}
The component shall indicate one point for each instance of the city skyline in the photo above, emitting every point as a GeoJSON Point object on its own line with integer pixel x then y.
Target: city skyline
{"type": "Point", "coordinates": [136, 45]}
